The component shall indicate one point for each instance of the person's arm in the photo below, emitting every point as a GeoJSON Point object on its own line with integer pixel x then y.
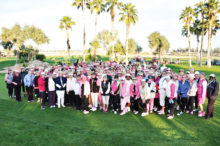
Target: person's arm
{"type": "Point", "coordinates": [216, 90]}
{"type": "Point", "coordinates": [204, 85]}
{"type": "Point", "coordinates": [172, 91]}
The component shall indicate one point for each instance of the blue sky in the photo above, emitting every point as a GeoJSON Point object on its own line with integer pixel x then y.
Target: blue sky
{"type": "Point", "coordinates": [154, 15]}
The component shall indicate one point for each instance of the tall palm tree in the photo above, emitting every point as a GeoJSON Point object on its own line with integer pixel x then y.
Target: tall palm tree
{"type": "Point", "coordinates": [67, 23]}
{"type": "Point", "coordinates": [129, 16]}
{"type": "Point", "coordinates": [212, 8]}
{"type": "Point", "coordinates": [82, 4]}
{"type": "Point", "coordinates": [197, 31]}
{"type": "Point", "coordinates": [200, 9]}
{"type": "Point", "coordinates": [110, 7]}
{"type": "Point", "coordinates": [97, 6]}
{"type": "Point", "coordinates": [187, 16]}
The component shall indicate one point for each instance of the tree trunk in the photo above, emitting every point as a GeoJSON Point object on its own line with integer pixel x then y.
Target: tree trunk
{"type": "Point", "coordinates": [17, 56]}
{"type": "Point", "coordinates": [188, 37]}
{"type": "Point", "coordinates": [201, 49]}
{"type": "Point", "coordinates": [209, 61]}
{"type": "Point", "coordinates": [127, 36]}
{"type": "Point", "coordinates": [197, 57]}
{"type": "Point", "coordinates": [84, 33]}
{"type": "Point", "coordinates": [68, 44]}
{"type": "Point", "coordinates": [113, 33]}
{"type": "Point", "coordinates": [96, 23]}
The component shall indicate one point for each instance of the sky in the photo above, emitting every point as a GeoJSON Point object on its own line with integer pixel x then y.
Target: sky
{"type": "Point", "coordinates": [154, 15]}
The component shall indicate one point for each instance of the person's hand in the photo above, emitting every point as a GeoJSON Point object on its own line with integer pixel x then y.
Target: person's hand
{"type": "Point", "coordinates": [171, 101]}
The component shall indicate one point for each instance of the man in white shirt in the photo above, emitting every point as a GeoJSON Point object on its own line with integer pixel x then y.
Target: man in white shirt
{"type": "Point", "coordinates": [76, 88]}
{"type": "Point", "coordinates": [70, 90]}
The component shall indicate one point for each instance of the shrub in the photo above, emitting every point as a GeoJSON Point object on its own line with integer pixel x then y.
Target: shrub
{"type": "Point", "coordinates": [40, 57]}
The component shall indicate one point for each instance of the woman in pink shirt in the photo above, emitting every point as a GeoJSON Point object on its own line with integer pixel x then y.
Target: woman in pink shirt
{"type": "Point", "coordinates": [42, 89]}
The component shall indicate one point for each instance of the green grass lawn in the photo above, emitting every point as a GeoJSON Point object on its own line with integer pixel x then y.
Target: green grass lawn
{"type": "Point", "coordinates": [26, 124]}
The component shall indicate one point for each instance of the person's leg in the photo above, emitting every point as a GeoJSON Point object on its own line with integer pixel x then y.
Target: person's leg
{"type": "Point", "coordinates": [107, 102]}
{"type": "Point", "coordinates": [16, 93]}
{"type": "Point", "coordinates": [166, 104]}
{"type": "Point", "coordinates": [62, 98]}
{"type": "Point", "coordinates": [31, 93]}
{"type": "Point", "coordinates": [191, 103]}
{"type": "Point", "coordinates": [86, 101]}
{"type": "Point", "coordinates": [43, 96]}
{"type": "Point", "coordinates": [210, 108]}
{"type": "Point", "coordinates": [58, 99]}
{"type": "Point", "coordinates": [151, 104]}
{"type": "Point", "coordinates": [50, 98]}
{"type": "Point", "coordinates": [71, 97]}
{"type": "Point", "coordinates": [172, 107]}
{"type": "Point", "coordinates": [182, 104]}
{"type": "Point", "coordinates": [93, 99]}
{"type": "Point", "coordinates": [96, 99]}
{"type": "Point", "coordinates": [10, 90]}
{"type": "Point", "coordinates": [196, 101]}
{"type": "Point", "coordinates": [162, 101]}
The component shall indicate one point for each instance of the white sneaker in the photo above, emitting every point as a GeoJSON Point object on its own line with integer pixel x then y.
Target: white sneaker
{"type": "Point", "coordinates": [178, 108]}
{"type": "Point", "coordinates": [128, 109]}
{"type": "Point", "coordinates": [51, 106]}
{"type": "Point", "coordinates": [161, 113]}
{"type": "Point", "coordinates": [115, 112]}
{"type": "Point", "coordinates": [86, 112]}
{"type": "Point", "coordinates": [63, 106]}
{"type": "Point", "coordinates": [155, 109]}
{"type": "Point", "coordinates": [122, 113]}
{"type": "Point", "coordinates": [180, 113]}
{"type": "Point", "coordinates": [136, 112]}
{"type": "Point", "coordinates": [168, 111]}
{"type": "Point", "coordinates": [144, 114]}
{"type": "Point", "coordinates": [90, 106]}
{"type": "Point", "coordinates": [170, 117]}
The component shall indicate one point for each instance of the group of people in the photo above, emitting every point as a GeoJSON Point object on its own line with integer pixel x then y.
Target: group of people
{"type": "Point", "coordinates": [117, 87]}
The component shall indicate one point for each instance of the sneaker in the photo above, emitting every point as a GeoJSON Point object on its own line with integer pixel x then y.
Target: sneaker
{"type": "Point", "coordinates": [155, 109]}
{"type": "Point", "coordinates": [180, 113]}
{"type": "Point", "coordinates": [201, 114]}
{"type": "Point", "coordinates": [63, 106]}
{"type": "Point", "coordinates": [191, 113]}
{"type": "Point", "coordinates": [151, 112]}
{"type": "Point", "coordinates": [128, 109]}
{"type": "Point", "coordinates": [195, 110]}
{"type": "Point", "coordinates": [115, 112]}
{"type": "Point", "coordinates": [122, 113]}
{"type": "Point", "coordinates": [144, 114]}
{"type": "Point", "coordinates": [170, 117]}
{"type": "Point", "coordinates": [168, 111]}
{"type": "Point", "coordinates": [42, 107]}
{"type": "Point", "coordinates": [136, 112]}
{"type": "Point", "coordinates": [90, 106]}
{"type": "Point", "coordinates": [85, 112]}
{"type": "Point", "coordinates": [187, 111]}
{"type": "Point", "coordinates": [51, 106]}
{"type": "Point", "coordinates": [161, 113]}
{"type": "Point", "coordinates": [94, 109]}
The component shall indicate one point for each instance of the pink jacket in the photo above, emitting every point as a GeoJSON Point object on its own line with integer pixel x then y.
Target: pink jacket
{"type": "Point", "coordinates": [86, 88]}
{"type": "Point", "coordinates": [125, 90]}
{"type": "Point", "coordinates": [114, 87]}
{"type": "Point", "coordinates": [132, 93]}
{"type": "Point", "coordinates": [41, 84]}
{"type": "Point", "coordinates": [138, 84]}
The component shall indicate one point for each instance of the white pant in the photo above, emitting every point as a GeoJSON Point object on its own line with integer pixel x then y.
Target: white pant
{"type": "Point", "coordinates": [162, 97]}
{"type": "Point", "coordinates": [60, 97]}
{"type": "Point", "coordinates": [105, 99]}
{"type": "Point", "coordinates": [94, 97]}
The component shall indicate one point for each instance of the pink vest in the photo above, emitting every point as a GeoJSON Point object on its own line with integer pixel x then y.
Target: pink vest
{"type": "Point", "coordinates": [200, 88]}
{"type": "Point", "coordinates": [114, 87]}
{"type": "Point", "coordinates": [124, 90]}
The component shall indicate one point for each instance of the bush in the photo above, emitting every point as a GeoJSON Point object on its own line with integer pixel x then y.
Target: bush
{"type": "Point", "coordinates": [40, 57]}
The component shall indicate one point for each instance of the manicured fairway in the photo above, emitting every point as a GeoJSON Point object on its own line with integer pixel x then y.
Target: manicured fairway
{"type": "Point", "coordinates": [26, 124]}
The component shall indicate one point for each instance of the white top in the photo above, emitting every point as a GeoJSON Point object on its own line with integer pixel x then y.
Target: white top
{"type": "Point", "coordinates": [51, 84]}
{"type": "Point", "coordinates": [70, 84]}
{"type": "Point", "coordinates": [76, 87]}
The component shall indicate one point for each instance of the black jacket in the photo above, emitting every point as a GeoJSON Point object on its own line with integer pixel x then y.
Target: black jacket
{"type": "Point", "coordinates": [17, 79]}
{"type": "Point", "coordinates": [93, 86]}
{"type": "Point", "coordinates": [58, 82]}
{"type": "Point", "coordinates": [213, 90]}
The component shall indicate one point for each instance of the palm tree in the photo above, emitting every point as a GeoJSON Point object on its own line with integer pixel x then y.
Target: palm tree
{"type": "Point", "coordinates": [82, 4]}
{"type": "Point", "coordinates": [212, 8]}
{"type": "Point", "coordinates": [97, 6]}
{"type": "Point", "coordinates": [200, 9]}
{"type": "Point", "coordinates": [129, 16]}
{"type": "Point", "coordinates": [197, 31]}
{"type": "Point", "coordinates": [187, 16]}
{"type": "Point", "coordinates": [67, 23]}
{"type": "Point", "coordinates": [110, 6]}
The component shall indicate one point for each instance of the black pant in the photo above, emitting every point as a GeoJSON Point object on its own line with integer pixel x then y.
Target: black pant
{"type": "Point", "coordinates": [71, 98]}
{"type": "Point", "coordinates": [178, 100]}
{"type": "Point", "coordinates": [171, 106]}
{"type": "Point", "coordinates": [144, 104]}
{"type": "Point", "coordinates": [183, 105]}
{"type": "Point", "coordinates": [44, 98]}
{"type": "Point", "coordinates": [51, 97]}
{"type": "Point", "coordinates": [10, 89]}
{"type": "Point", "coordinates": [30, 93]}
{"type": "Point", "coordinates": [136, 104]}
{"type": "Point", "coordinates": [77, 102]}
{"type": "Point", "coordinates": [23, 87]}
{"type": "Point", "coordinates": [190, 103]}
{"type": "Point", "coordinates": [157, 103]}
{"type": "Point", "coordinates": [85, 103]}
{"type": "Point", "coordinates": [210, 107]}
{"type": "Point", "coordinates": [196, 101]}
{"type": "Point", "coordinates": [18, 92]}
{"type": "Point", "coordinates": [115, 99]}
{"type": "Point", "coordinates": [36, 91]}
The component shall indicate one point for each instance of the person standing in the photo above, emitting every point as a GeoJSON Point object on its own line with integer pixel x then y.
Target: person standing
{"type": "Point", "coordinates": [29, 83]}
{"type": "Point", "coordinates": [42, 89]}
{"type": "Point", "coordinates": [124, 95]}
{"type": "Point", "coordinates": [36, 89]}
{"type": "Point", "coordinates": [51, 90]}
{"type": "Point", "coordinates": [23, 74]}
{"type": "Point", "coordinates": [212, 94]}
{"type": "Point", "coordinates": [8, 81]}
{"type": "Point", "coordinates": [192, 94]}
{"type": "Point", "coordinates": [134, 98]}
{"type": "Point", "coordinates": [60, 89]}
{"type": "Point", "coordinates": [145, 97]}
{"type": "Point", "coordinates": [17, 85]}
{"type": "Point", "coordinates": [84, 94]}
{"type": "Point", "coordinates": [152, 86]}
{"type": "Point", "coordinates": [105, 91]}
{"type": "Point", "coordinates": [162, 93]}
{"type": "Point", "coordinates": [70, 90]}
{"type": "Point", "coordinates": [171, 95]}
{"type": "Point", "coordinates": [115, 89]}
{"type": "Point", "coordinates": [183, 94]}
{"type": "Point", "coordinates": [76, 88]}
{"type": "Point", "coordinates": [94, 88]}
{"type": "Point", "coordinates": [202, 91]}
